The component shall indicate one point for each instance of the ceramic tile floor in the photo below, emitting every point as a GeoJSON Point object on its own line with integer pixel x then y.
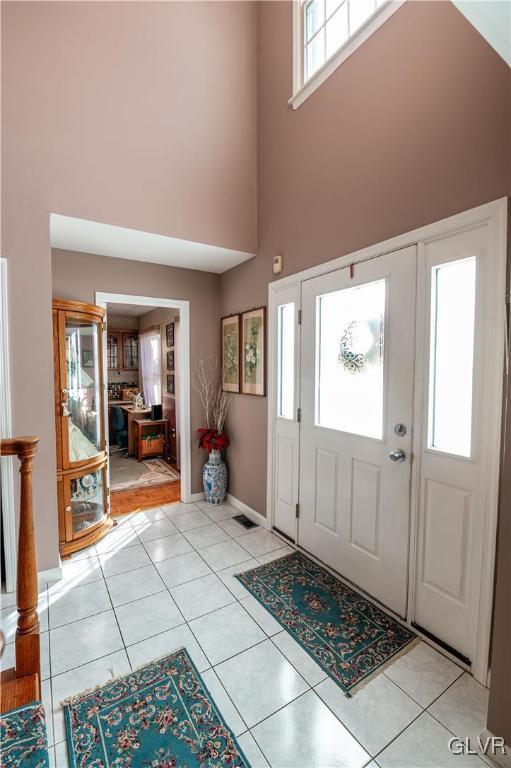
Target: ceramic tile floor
{"type": "Point", "coordinates": [163, 579]}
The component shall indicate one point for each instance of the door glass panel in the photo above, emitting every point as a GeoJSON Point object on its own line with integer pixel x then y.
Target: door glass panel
{"type": "Point", "coordinates": [87, 500]}
{"type": "Point", "coordinates": [452, 356]}
{"type": "Point", "coordinates": [286, 357]}
{"type": "Point", "coordinates": [349, 359]}
{"type": "Point", "coordinates": [83, 385]}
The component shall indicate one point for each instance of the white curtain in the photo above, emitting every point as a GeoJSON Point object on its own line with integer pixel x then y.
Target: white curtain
{"type": "Point", "coordinates": [150, 365]}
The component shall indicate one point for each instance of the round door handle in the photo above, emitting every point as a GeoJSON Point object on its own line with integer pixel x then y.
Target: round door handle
{"type": "Point", "coordinates": [398, 455]}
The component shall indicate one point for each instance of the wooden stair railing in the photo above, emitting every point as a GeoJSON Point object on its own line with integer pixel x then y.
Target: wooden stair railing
{"type": "Point", "coordinates": [21, 684]}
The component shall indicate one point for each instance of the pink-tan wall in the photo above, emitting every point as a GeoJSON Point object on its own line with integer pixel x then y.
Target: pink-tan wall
{"type": "Point", "coordinates": [79, 275]}
{"type": "Point", "coordinates": [413, 127]}
{"type": "Point", "coordinates": [135, 114]}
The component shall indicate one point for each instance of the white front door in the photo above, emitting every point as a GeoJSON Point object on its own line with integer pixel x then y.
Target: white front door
{"type": "Point", "coordinates": [357, 377]}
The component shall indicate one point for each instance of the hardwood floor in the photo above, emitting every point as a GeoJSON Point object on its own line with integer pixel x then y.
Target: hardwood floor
{"type": "Point", "coordinates": [123, 502]}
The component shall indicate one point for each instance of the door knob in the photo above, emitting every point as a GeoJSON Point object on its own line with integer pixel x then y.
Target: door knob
{"type": "Point", "coordinates": [398, 455]}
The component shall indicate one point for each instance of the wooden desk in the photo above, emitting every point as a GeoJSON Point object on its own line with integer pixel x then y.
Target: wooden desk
{"type": "Point", "coordinates": [140, 424]}
{"type": "Point", "coordinates": [132, 415]}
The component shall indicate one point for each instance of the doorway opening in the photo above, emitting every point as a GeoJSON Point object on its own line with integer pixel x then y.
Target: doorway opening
{"type": "Point", "coordinates": [146, 364]}
{"type": "Point", "coordinates": [142, 424]}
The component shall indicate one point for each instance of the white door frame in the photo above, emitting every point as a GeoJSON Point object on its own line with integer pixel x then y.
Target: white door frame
{"type": "Point", "coordinates": [6, 465]}
{"type": "Point", "coordinates": [494, 215]}
{"type": "Point", "coordinates": [183, 372]}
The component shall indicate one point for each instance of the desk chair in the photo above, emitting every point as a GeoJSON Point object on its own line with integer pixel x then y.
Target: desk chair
{"type": "Point", "coordinates": [119, 428]}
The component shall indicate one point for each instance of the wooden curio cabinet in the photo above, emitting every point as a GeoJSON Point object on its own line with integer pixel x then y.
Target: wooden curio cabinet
{"type": "Point", "coordinates": [79, 423]}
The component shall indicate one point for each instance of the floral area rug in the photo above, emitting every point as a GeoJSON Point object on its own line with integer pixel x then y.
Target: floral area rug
{"type": "Point", "coordinates": [161, 716]}
{"type": "Point", "coordinates": [345, 634]}
{"type": "Point", "coordinates": [127, 472]}
{"type": "Point", "coordinates": [23, 742]}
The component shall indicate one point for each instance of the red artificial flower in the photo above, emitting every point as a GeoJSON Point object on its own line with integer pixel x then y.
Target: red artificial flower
{"type": "Point", "coordinates": [212, 440]}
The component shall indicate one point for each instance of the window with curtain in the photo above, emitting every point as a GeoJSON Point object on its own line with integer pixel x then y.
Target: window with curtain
{"type": "Point", "coordinates": [150, 365]}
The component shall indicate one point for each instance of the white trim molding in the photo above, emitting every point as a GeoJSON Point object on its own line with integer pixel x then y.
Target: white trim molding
{"type": "Point", "coordinates": [302, 90]}
{"type": "Point", "coordinates": [183, 406]}
{"type": "Point", "coordinates": [493, 215]}
{"type": "Point", "coordinates": [256, 517]}
{"type": "Point", "coordinates": [6, 464]}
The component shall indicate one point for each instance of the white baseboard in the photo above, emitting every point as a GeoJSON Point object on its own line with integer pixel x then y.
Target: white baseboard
{"type": "Point", "coordinates": [256, 517]}
{"type": "Point", "coordinates": [504, 761]}
{"type": "Point", "coordinates": [52, 574]}
{"type": "Point", "coordinates": [196, 497]}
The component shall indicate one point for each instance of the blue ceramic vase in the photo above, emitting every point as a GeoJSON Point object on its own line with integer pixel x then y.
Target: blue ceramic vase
{"type": "Point", "coordinates": [214, 477]}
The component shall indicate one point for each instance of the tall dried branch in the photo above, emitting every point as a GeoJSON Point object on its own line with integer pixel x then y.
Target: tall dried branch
{"type": "Point", "coordinates": [215, 402]}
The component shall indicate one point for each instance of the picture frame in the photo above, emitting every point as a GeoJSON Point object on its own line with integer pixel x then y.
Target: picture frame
{"type": "Point", "coordinates": [170, 384]}
{"type": "Point", "coordinates": [253, 352]}
{"type": "Point", "coordinates": [230, 352]}
{"type": "Point", "coordinates": [87, 358]}
{"type": "Point", "coordinates": [170, 334]}
{"type": "Point", "coordinates": [170, 360]}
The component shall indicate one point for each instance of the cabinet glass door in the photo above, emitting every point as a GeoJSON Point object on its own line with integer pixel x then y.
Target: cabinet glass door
{"type": "Point", "coordinates": [82, 400]}
{"type": "Point", "coordinates": [130, 351]}
{"type": "Point", "coordinates": [113, 351]}
{"type": "Point", "coordinates": [85, 501]}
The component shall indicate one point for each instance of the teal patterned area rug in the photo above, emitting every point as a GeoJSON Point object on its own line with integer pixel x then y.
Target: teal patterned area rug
{"type": "Point", "coordinates": [23, 742]}
{"type": "Point", "coordinates": [161, 716]}
{"type": "Point", "coordinates": [348, 636]}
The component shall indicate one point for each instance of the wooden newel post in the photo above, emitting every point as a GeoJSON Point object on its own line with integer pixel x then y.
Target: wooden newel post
{"type": "Point", "coordinates": [27, 632]}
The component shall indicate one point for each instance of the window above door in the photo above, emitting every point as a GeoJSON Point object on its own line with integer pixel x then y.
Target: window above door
{"type": "Point", "coordinates": [326, 32]}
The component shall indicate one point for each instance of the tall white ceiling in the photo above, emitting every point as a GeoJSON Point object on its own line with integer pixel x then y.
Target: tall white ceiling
{"type": "Point", "coordinates": [72, 234]}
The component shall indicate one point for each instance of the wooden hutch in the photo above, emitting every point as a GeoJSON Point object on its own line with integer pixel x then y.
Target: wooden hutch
{"type": "Point", "coordinates": [79, 424]}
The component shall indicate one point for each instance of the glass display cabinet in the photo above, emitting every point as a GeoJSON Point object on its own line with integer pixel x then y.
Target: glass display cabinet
{"type": "Point", "coordinates": [79, 423]}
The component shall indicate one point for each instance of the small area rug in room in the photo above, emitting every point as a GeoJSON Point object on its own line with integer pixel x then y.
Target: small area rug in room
{"type": "Point", "coordinates": [161, 716]}
{"type": "Point", "coordinates": [348, 636]}
{"type": "Point", "coordinates": [128, 473]}
{"type": "Point", "coordinates": [23, 742]}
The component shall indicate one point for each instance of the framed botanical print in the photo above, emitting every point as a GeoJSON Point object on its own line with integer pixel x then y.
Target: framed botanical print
{"type": "Point", "coordinates": [253, 352]}
{"type": "Point", "coordinates": [230, 327]}
{"type": "Point", "coordinates": [170, 335]}
{"type": "Point", "coordinates": [170, 360]}
{"type": "Point", "coordinates": [170, 384]}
